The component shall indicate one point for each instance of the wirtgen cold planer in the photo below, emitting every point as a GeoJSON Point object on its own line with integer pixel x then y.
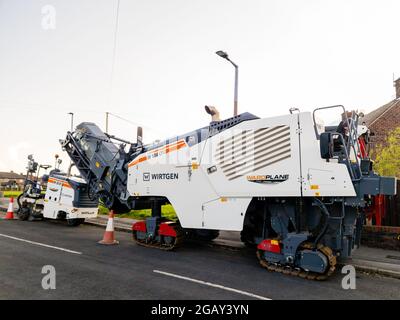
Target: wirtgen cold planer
{"type": "Point", "coordinates": [294, 188]}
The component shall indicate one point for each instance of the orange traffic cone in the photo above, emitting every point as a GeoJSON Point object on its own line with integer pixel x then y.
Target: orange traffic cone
{"type": "Point", "coordinates": [108, 237]}
{"type": "Point", "coordinates": [10, 211]}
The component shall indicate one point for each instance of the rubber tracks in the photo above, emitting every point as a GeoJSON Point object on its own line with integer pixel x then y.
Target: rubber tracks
{"type": "Point", "coordinates": [178, 241]}
{"type": "Point", "coordinates": [297, 272]}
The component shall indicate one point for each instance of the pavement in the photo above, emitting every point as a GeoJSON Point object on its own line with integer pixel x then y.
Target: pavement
{"type": "Point", "coordinates": [88, 270]}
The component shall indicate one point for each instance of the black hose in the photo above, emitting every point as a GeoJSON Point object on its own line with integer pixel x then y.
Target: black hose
{"type": "Point", "coordinates": [323, 208]}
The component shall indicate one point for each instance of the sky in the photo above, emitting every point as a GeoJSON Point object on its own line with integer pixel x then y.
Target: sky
{"type": "Point", "coordinates": [156, 64]}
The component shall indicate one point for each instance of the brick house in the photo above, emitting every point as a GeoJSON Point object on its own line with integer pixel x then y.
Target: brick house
{"type": "Point", "coordinates": [11, 180]}
{"type": "Point", "coordinates": [383, 120]}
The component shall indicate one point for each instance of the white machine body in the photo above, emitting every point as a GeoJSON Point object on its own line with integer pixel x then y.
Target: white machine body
{"type": "Point", "coordinates": [62, 200]}
{"type": "Point", "coordinates": [210, 184]}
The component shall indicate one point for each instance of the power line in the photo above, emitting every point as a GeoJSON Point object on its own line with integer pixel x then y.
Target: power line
{"type": "Point", "coordinates": [114, 52]}
{"type": "Point", "coordinates": [134, 123]}
{"type": "Point", "coordinates": [129, 121]}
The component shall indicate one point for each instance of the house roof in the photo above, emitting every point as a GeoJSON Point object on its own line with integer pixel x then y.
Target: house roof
{"type": "Point", "coordinates": [11, 175]}
{"type": "Point", "coordinates": [374, 115]}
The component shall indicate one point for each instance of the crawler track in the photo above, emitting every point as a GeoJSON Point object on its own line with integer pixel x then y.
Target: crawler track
{"type": "Point", "coordinates": [167, 246]}
{"type": "Point", "coordinates": [297, 272]}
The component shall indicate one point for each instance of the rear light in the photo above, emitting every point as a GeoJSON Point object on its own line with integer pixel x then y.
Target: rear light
{"type": "Point", "coordinates": [270, 245]}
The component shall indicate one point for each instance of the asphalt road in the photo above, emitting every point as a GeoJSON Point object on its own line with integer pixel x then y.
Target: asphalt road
{"type": "Point", "coordinates": [127, 271]}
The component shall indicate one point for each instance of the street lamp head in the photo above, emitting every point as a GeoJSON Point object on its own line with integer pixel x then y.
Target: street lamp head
{"type": "Point", "coordinates": [222, 54]}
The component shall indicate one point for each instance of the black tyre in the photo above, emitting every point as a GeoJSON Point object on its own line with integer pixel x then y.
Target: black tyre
{"type": "Point", "coordinates": [75, 222]}
{"type": "Point", "coordinates": [23, 213]}
{"type": "Point", "coordinates": [247, 237]}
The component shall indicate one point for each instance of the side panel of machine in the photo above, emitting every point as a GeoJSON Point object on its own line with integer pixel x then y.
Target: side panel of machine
{"type": "Point", "coordinates": [53, 195]}
{"type": "Point", "coordinates": [212, 183]}
{"type": "Point", "coordinates": [257, 158]}
{"type": "Point", "coordinates": [59, 199]}
{"type": "Point", "coordinates": [320, 178]}
{"type": "Point", "coordinates": [170, 172]}
{"type": "Point", "coordinates": [82, 213]}
{"type": "Point", "coordinates": [225, 213]}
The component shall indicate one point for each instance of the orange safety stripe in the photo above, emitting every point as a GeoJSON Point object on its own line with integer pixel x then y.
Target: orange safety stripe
{"type": "Point", "coordinates": [62, 182]}
{"type": "Point", "coordinates": [167, 149]}
{"type": "Point", "coordinates": [141, 159]}
{"type": "Point", "coordinates": [174, 147]}
{"type": "Point", "coordinates": [180, 142]}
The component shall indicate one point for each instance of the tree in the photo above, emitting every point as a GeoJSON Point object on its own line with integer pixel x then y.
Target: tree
{"type": "Point", "coordinates": [387, 160]}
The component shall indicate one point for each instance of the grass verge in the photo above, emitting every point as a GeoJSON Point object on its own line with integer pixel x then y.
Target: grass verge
{"type": "Point", "coordinates": [9, 194]}
{"type": "Point", "coordinates": [167, 211]}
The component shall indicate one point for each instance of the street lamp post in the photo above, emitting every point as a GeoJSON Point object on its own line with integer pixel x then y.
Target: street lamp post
{"type": "Point", "coordinates": [72, 120]}
{"type": "Point", "coordinates": [224, 55]}
{"type": "Point", "coordinates": [107, 113]}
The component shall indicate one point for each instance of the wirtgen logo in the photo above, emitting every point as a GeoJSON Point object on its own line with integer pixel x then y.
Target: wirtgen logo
{"type": "Point", "coordinates": [147, 176]}
{"type": "Point", "coordinates": [275, 178]}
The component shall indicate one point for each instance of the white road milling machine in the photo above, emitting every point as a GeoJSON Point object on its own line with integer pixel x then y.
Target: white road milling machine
{"type": "Point", "coordinates": [57, 196]}
{"type": "Point", "coordinates": [295, 189]}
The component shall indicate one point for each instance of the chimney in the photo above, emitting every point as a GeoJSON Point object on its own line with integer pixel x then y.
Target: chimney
{"type": "Point", "coordinates": [397, 86]}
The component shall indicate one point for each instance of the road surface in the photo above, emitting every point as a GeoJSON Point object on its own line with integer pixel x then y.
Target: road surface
{"type": "Point", "coordinates": [87, 270]}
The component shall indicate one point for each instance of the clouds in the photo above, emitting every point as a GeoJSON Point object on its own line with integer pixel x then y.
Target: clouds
{"type": "Point", "coordinates": [291, 53]}
{"type": "Point", "coordinates": [16, 151]}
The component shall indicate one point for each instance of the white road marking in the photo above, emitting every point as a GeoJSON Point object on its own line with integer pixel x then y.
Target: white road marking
{"type": "Point", "coordinates": [212, 285]}
{"type": "Point", "coordinates": [40, 244]}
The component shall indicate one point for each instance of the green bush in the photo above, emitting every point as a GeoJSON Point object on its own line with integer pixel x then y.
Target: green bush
{"type": "Point", "coordinates": [9, 194]}
{"type": "Point", "coordinates": [167, 211]}
{"type": "Point", "coordinates": [387, 160]}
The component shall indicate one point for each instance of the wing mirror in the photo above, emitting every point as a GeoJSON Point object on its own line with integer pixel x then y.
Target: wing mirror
{"type": "Point", "coordinates": [326, 145]}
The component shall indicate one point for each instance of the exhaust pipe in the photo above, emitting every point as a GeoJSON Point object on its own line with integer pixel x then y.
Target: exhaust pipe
{"type": "Point", "coordinates": [213, 112]}
{"type": "Point", "coordinates": [139, 136]}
